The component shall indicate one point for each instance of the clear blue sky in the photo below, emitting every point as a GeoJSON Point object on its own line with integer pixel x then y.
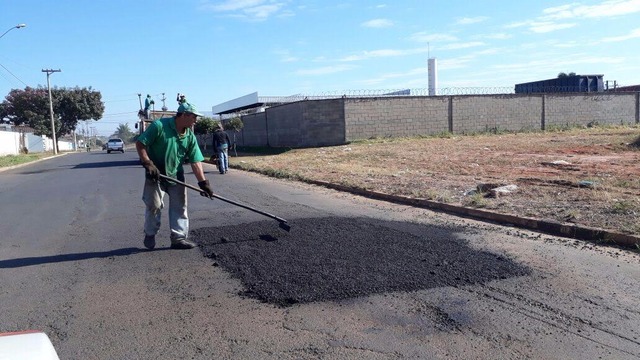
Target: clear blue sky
{"type": "Point", "coordinates": [214, 51]}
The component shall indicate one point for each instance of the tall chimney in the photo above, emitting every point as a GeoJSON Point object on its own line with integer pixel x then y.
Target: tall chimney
{"type": "Point", "coordinates": [432, 68]}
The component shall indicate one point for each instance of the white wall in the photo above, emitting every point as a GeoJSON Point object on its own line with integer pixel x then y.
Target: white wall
{"type": "Point", "coordinates": [34, 143]}
{"type": "Point", "coordinates": [9, 143]}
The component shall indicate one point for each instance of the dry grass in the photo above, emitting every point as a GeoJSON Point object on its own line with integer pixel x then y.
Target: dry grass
{"type": "Point", "coordinates": [446, 168]}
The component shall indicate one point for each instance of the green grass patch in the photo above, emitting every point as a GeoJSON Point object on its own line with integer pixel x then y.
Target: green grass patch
{"type": "Point", "coordinates": [12, 160]}
{"type": "Point", "coordinates": [277, 173]}
{"type": "Point", "coordinates": [247, 151]}
{"type": "Point", "coordinates": [260, 150]}
{"type": "Point", "coordinates": [623, 207]}
{"type": "Point", "coordinates": [476, 200]}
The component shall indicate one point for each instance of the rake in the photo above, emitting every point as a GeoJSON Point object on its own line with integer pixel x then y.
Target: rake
{"type": "Point", "coordinates": [282, 222]}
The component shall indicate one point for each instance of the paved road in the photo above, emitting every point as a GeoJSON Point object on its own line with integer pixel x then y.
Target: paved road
{"type": "Point", "coordinates": [72, 265]}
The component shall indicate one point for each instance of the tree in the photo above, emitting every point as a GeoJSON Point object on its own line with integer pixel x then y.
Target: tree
{"type": "Point", "coordinates": [75, 105]}
{"type": "Point", "coordinates": [205, 126]}
{"type": "Point", "coordinates": [234, 125]}
{"type": "Point", "coordinates": [563, 75]}
{"type": "Point", "coordinates": [123, 132]}
{"type": "Point", "coordinates": [26, 106]}
{"type": "Point", "coordinates": [31, 106]}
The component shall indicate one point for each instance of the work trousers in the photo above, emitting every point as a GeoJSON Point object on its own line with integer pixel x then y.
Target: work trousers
{"type": "Point", "coordinates": [153, 198]}
{"type": "Point", "coordinates": [223, 158]}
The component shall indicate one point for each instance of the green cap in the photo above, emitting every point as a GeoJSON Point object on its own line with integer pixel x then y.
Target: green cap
{"type": "Point", "coordinates": [186, 107]}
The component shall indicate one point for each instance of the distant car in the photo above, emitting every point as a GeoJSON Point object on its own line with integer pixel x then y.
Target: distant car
{"type": "Point", "coordinates": [115, 144]}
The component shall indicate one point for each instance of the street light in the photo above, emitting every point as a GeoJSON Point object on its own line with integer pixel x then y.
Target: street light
{"type": "Point", "coordinates": [53, 124]}
{"type": "Point", "coordinates": [13, 27]}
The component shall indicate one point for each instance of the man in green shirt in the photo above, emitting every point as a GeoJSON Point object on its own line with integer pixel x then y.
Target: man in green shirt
{"type": "Point", "coordinates": [163, 148]}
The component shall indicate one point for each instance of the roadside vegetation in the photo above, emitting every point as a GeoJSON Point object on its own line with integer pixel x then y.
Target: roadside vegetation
{"type": "Point", "coordinates": [586, 176]}
{"type": "Point", "coordinates": [12, 160]}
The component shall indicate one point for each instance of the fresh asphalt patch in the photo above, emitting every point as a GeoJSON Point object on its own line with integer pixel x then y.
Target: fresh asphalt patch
{"type": "Point", "coordinates": [332, 258]}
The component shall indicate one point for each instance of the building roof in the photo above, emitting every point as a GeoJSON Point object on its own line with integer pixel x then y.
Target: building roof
{"type": "Point", "coordinates": [251, 101]}
{"type": "Point", "coordinates": [626, 88]}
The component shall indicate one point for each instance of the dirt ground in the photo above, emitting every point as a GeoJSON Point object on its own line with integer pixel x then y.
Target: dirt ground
{"type": "Point", "coordinates": [584, 176]}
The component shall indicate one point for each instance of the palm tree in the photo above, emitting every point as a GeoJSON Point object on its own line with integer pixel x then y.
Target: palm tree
{"type": "Point", "coordinates": [123, 132]}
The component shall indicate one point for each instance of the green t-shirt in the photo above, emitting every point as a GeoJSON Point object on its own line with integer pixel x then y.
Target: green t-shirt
{"type": "Point", "coordinates": [168, 150]}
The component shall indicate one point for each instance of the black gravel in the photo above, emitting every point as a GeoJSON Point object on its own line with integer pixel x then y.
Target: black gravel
{"type": "Point", "coordinates": [325, 259]}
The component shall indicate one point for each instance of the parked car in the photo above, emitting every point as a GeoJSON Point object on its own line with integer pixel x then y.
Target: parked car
{"type": "Point", "coordinates": [115, 144]}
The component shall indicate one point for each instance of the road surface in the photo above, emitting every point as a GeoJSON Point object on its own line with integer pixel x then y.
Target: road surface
{"type": "Point", "coordinates": [355, 278]}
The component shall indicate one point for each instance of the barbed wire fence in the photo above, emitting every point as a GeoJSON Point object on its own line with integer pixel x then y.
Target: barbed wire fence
{"type": "Point", "coordinates": [458, 91]}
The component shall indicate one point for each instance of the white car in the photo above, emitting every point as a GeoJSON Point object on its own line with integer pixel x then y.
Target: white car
{"type": "Point", "coordinates": [30, 344]}
{"type": "Point", "coordinates": [115, 144]}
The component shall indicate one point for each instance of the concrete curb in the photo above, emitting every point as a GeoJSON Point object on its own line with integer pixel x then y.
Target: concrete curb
{"type": "Point", "coordinates": [595, 235]}
{"type": "Point", "coordinates": [32, 162]}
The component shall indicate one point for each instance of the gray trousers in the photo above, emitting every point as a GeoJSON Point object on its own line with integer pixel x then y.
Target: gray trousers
{"type": "Point", "coordinates": [153, 198]}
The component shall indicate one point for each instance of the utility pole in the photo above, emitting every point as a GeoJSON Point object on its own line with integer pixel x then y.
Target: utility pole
{"type": "Point", "coordinates": [87, 137]}
{"type": "Point", "coordinates": [53, 124]}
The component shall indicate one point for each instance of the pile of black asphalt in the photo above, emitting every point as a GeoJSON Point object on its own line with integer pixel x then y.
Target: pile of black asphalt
{"type": "Point", "coordinates": [333, 258]}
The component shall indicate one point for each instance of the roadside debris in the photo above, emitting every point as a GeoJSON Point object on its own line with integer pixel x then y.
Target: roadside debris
{"type": "Point", "coordinates": [492, 190]}
{"type": "Point", "coordinates": [561, 164]}
{"type": "Point", "coordinates": [503, 190]}
{"type": "Point", "coordinates": [586, 184]}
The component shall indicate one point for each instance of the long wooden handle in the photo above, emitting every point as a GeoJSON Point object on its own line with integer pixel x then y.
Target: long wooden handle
{"type": "Point", "coordinates": [225, 199]}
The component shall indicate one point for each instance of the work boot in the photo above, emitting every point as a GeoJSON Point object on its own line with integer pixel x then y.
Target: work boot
{"type": "Point", "coordinates": [150, 241]}
{"type": "Point", "coordinates": [182, 244]}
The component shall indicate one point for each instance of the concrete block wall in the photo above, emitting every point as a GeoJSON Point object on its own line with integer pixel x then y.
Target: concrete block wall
{"type": "Point", "coordinates": [306, 124]}
{"type": "Point", "coordinates": [481, 113]}
{"type": "Point", "coordinates": [298, 124]}
{"type": "Point", "coordinates": [337, 121]}
{"type": "Point", "coordinates": [254, 130]}
{"type": "Point", "coordinates": [285, 125]}
{"type": "Point", "coordinates": [603, 109]}
{"type": "Point", "coordinates": [323, 123]}
{"type": "Point", "coordinates": [367, 118]}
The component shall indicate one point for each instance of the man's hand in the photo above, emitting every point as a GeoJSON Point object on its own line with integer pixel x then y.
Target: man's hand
{"type": "Point", "coordinates": [206, 188]}
{"type": "Point", "coordinates": [152, 171]}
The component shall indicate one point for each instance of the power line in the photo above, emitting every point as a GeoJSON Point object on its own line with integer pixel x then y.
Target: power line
{"type": "Point", "coordinates": [121, 100]}
{"type": "Point", "coordinates": [122, 113]}
{"type": "Point", "coordinates": [12, 74]}
{"type": "Point", "coordinates": [113, 122]}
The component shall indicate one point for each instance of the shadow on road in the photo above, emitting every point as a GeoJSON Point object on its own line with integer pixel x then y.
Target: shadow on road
{"type": "Point", "coordinates": [103, 164]}
{"type": "Point", "coordinates": [30, 261]}
{"type": "Point", "coordinates": [41, 171]}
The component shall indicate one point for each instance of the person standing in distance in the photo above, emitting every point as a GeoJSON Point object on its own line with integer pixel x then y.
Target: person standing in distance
{"type": "Point", "coordinates": [221, 144]}
{"type": "Point", "coordinates": [147, 106]}
{"type": "Point", "coordinates": [162, 149]}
